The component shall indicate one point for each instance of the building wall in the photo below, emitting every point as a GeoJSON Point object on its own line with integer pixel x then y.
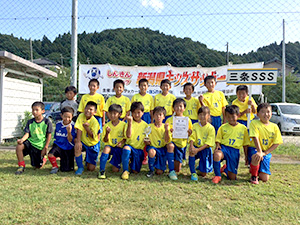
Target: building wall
{"type": "Point", "coordinates": [279, 67]}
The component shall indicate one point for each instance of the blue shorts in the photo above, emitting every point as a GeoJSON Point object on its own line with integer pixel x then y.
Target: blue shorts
{"type": "Point", "coordinates": [264, 165]}
{"type": "Point", "coordinates": [160, 157]}
{"type": "Point", "coordinates": [216, 121]}
{"type": "Point", "coordinates": [167, 117]}
{"type": "Point", "coordinates": [244, 122]}
{"type": "Point", "coordinates": [179, 153]}
{"type": "Point", "coordinates": [206, 160]}
{"type": "Point", "coordinates": [146, 117]}
{"type": "Point", "coordinates": [232, 157]}
{"type": "Point", "coordinates": [100, 122]}
{"type": "Point", "coordinates": [194, 121]}
{"type": "Point", "coordinates": [92, 153]}
{"type": "Point", "coordinates": [116, 159]}
{"type": "Point", "coordinates": [136, 158]}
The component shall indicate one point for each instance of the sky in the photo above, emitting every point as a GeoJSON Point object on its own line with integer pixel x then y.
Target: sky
{"type": "Point", "coordinates": [246, 25]}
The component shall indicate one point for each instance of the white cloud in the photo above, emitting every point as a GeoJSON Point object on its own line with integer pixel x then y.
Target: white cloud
{"type": "Point", "coordinates": [157, 5]}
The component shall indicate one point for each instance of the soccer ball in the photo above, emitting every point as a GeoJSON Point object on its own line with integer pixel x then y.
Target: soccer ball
{"type": "Point", "coordinates": [94, 73]}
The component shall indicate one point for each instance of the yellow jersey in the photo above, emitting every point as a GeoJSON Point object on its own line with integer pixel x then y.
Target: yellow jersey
{"type": "Point", "coordinates": [117, 133]}
{"type": "Point", "coordinates": [233, 136]}
{"type": "Point", "coordinates": [192, 107]}
{"type": "Point", "coordinates": [243, 106]}
{"type": "Point", "coordinates": [267, 135]}
{"type": "Point", "coordinates": [146, 100]}
{"type": "Point", "coordinates": [165, 101]}
{"type": "Point", "coordinates": [97, 98]}
{"type": "Point", "coordinates": [93, 125]}
{"type": "Point", "coordinates": [179, 142]}
{"type": "Point", "coordinates": [123, 101]}
{"type": "Point", "coordinates": [203, 135]}
{"type": "Point", "coordinates": [157, 136]}
{"type": "Point", "coordinates": [215, 101]}
{"type": "Point", "coordinates": [137, 134]}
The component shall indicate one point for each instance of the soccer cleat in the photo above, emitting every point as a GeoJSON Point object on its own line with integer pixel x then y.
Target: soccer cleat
{"type": "Point", "coordinates": [194, 177]}
{"type": "Point", "coordinates": [20, 170]}
{"type": "Point", "coordinates": [79, 171]}
{"type": "Point", "coordinates": [254, 180]}
{"type": "Point", "coordinates": [216, 179]}
{"type": "Point", "coordinates": [150, 174]}
{"type": "Point", "coordinates": [183, 162]}
{"type": "Point", "coordinates": [54, 170]}
{"type": "Point", "coordinates": [101, 175]}
{"type": "Point", "coordinates": [125, 175]}
{"type": "Point", "coordinates": [173, 175]}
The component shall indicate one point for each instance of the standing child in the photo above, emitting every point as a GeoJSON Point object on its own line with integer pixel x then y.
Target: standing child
{"type": "Point", "coordinates": [119, 99]}
{"type": "Point", "coordinates": [133, 149]}
{"type": "Point", "coordinates": [70, 101]}
{"type": "Point", "coordinates": [36, 140]}
{"type": "Point", "coordinates": [178, 145]}
{"type": "Point", "coordinates": [88, 134]}
{"type": "Point", "coordinates": [63, 145]}
{"type": "Point", "coordinates": [266, 138]}
{"type": "Point", "coordinates": [165, 99]}
{"type": "Point", "coordinates": [94, 97]}
{"type": "Point", "coordinates": [192, 104]}
{"type": "Point", "coordinates": [215, 100]}
{"type": "Point", "coordinates": [230, 138]}
{"type": "Point", "coordinates": [201, 142]}
{"type": "Point", "coordinates": [242, 101]}
{"type": "Point", "coordinates": [157, 149]}
{"type": "Point", "coordinates": [114, 139]}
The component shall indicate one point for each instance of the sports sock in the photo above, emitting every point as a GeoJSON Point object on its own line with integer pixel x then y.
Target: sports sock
{"type": "Point", "coordinates": [254, 170]}
{"type": "Point", "coordinates": [151, 162]}
{"type": "Point", "coordinates": [78, 160]}
{"type": "Point", "coordinates": [53, 161]}
{"type": "Point", "coordinates": [192, 164]}
{"type": "Point", "coordinates": [184, 154]}
{"type": "Point", "coordinates": [103, 160]}
{"type": "Point", "coordinates": [125, 159]}
{"type": "Point", "coordinates": [21, 163]}
{"type": "Point", "coordinates": [217, 168]}
{"type": "Point", "coordinates": [145, 153]}
{"type": "Point", "coordinates": [170, 158]}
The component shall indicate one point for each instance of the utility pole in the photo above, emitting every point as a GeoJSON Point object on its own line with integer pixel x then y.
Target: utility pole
{"type": "Point", "coordinates": [227, 53]}
{"type": "Point", "coordinates": [283, 63]}
{"type": "Point", "coordinates": [74, 43]}
{"type": "Point", "coordinates": [31, 53]}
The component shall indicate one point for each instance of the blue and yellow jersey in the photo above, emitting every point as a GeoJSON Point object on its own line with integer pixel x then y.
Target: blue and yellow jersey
{"type": "Point", "coordinates": [97, 98]}
{"type": "Point", "coordinates": [267, 135]}
{"type": "Point", "coordinates": [157, 136]}
{"type": "Point", "coordinates": [243, 106]}
{"type": "Point", "coordinates": [215, 101]}
{"type": "Point", "coordinates": [179, 142]}
{"type": "Point", "coordinates": [192, 107]}
{"type": "Point", "coordinates": [146, 100]}
{"type": "Point", "coordinates": [203, 135]}
{"type": "Point", "coordinates": [117, 133]}
{"type": "Point", "coordinates": [137, 135]}
{"type": "Point", "coordinates": [233, 136]}
{"type": "Point", "coordinates": [93, 125]}
{"type": "Point", "coordinates": [165, 101]}
{"type": "Point", "coordinates": [122, 101]}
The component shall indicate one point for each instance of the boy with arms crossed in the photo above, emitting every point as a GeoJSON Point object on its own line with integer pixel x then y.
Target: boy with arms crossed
{"type": "Point", "coordinates": [192, 104]}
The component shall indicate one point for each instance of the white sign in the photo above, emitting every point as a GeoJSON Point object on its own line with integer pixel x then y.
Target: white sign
{"type": "Point", "coordinates": [180, 127]}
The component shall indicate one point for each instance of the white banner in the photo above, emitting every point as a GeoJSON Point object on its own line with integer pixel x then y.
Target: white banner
{"type": "Point", "coordinates": [107, 74]}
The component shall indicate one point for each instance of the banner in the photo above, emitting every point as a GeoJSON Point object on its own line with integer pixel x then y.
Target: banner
{"type": "Point", "coordinates": [107, 74]}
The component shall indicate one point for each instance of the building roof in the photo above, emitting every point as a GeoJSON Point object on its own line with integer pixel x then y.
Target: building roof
{"type": "Point", "coordinates": [275, 59]}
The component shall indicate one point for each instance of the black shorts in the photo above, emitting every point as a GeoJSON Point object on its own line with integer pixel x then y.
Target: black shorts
{"type": "Point", "coordinates": [34, 153]}
{"type": "Point", "coordinates": [66, 158]}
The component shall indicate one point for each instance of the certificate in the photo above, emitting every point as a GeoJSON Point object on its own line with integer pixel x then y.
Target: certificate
{"type": "Point", "coordinates": [180, 127]}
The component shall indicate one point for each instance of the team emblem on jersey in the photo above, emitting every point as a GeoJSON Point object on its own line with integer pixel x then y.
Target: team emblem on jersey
{"type": "Point", "coordinates": [240, 136]}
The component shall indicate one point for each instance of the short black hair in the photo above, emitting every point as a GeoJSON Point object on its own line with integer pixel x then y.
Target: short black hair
{"type": "Point", "coordinates": [203, 109]}
{"type": "Point", "coordinates": [137, 105]}
{"type": "Point", "coordinates": [165, 81]}
{"type": "Point", "coordinates": [188, 84]}
{"type": "Point", "coordinates": [159, 109]}
{"type": "Point", "coordinates": [178, 101]}
{"type": "Point", "coordinates": [119, 81]}
{"type": "Point", "coordinates": [67, 109]}
{"type": "Point", "coordinates": [232, 109]}
{"type": "Point", "coordinates": [38, 104]}
{"type": "Point", "coordinates": [94, 80]}
{"type": "Point", "coordinates": [242, 88]}
{"type": "Point", "coordinates": [143, 80]}
{"type": "Point", "coordinates": [263, 105]}
{"type": "Point", "coordinates": [91, 103]}
{"type": "Point", "coordinates": [115, 108]}
{"type": "Point", "coordinates": [71, 88]}
{"type": "Point", "coordinates": [207, 78]}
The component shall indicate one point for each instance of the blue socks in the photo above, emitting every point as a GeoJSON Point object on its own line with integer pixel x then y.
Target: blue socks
{"type": "Point", "coordinates": [192, 164]}
{"type": "Point", "coordinates": [125, 159]}
{"type": "Point", "coordinates": [170, 157]}
{"type": "Point", "coordinates": [103, 160]}
{"type": "Point", "coordinates": [217, 168]}
{"type": "Point", "coordinates": [78, 160]}
{"type": "Point", "coordinates": [151, 162]}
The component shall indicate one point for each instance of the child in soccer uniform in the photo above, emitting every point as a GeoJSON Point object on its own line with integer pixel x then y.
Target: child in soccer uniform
{"type": "Point", "coordinates": [88, 134]}
{"type": "Point", "coordinates": [230, 138]}
{"type": "Point", "coordinates": [215, 100]}
{"type": "Point", "coordinates": [119, 99]}
{"type": "Point", "coordinates": [114, 138]}
{"type": "Point", "coordinates": [201, 142]}
{"type": "Point", "coordinates": [70, 101]}
{"type": "Point", "coordinates": [242, 102]}
{"type": "Point", "coordinates": [266, 138]}
{"type": "Point", "coordinates": [133, 149]}
{"type": "Point", "coordinates": [178, 145]}
{"type": "Point", "coordinates": [165, 99]}
{"type": "Point", "coordinates": [63, 145]}
{"type": "Point", "coordinates": [157, 146]}
{"type": "Point", "coordinates": [36, 139]}
{"type": "Point", "coordinates": [192, 104]}
{"type": "Point", "coordinates": [94, 97]}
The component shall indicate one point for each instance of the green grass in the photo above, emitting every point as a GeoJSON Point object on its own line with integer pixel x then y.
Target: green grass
{"type": "Point", "coordinates": [36, 197]}
{"type": "Point", "coordinates": [291, 150]}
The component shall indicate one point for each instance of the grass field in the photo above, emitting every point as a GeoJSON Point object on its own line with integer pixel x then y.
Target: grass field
{"type": "Point", "coordinates": [36, 197]}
